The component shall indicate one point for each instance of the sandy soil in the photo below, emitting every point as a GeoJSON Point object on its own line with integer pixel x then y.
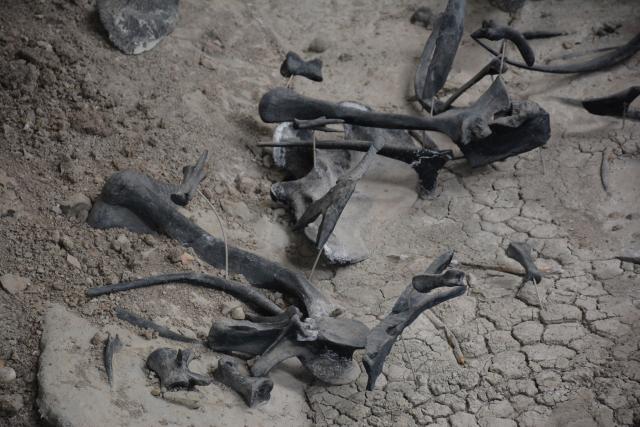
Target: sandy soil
{"type": "Point", "coordinates": [73, 110]}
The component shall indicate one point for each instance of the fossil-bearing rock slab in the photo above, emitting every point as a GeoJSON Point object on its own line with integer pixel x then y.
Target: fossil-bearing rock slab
{"type": "Point", "coordinates": [136, 26]}
{"type": "Point", "coordinates": [71, 379]}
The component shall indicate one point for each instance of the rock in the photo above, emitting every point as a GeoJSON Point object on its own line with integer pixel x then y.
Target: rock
{"type": "Point", "coordinates": [245, 185]}
{"type": "Point", "coordinates": [66, 243]}
{"type": "Point", "coordinates": [499, 341]}
{"type": "Point", "coordinates": [7, 375]}
{"type": "Point", "coordinates": [76, 206]}
{"type": "Point", "coordinates": [563, 333]}
{"type": "Point", "coordinates": [608, 269]}
{"type": "Point", "coordinates": [543, 352]}
{"type": "Point", "coordinates": [121, 244]}
{"type": "Point", "coordinates": [529, 294]}
{"type": "Point", "coordinates": [186, 258]}
{"type": "Point", "coordinates": [99, 338]}
{"type": "Point", "coordinates": [174, 255]}
{"type": "Point", "coordinates": [528, 332]}
{"type": "Point", "coordinates": [136, 26]}
{"type": "Point", "coordinates": [156, 391]}
{"type": "Point", "coordinates": [319, 44]}
{"type": "Point", "coordinates": [560, 313]}
{"type": "Point", "coordinates": [189, 399]}
{"type": "Point", "coordinates": [227, 307]}
{"type": "Point", "coordinates": [511, 364]}
{"type": "Point", "coordinates": [237, 313]}
{"type": "Point", "coordinates": [13, 283]}
{"type": "Point", "coordinates": [237, 209]}
{"type": "Point", "coordinates": [73, 261]}
{"type": "Point", "coordinates": [10, 404]}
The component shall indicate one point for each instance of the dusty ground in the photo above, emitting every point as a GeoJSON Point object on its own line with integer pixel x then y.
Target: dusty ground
{"type": "Point", "coordinates": [73, 110]}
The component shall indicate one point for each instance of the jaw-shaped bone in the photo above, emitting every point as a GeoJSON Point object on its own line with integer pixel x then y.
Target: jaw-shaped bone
{"type": "Point", "coordinates": [492, 31]}
{"type": "Point", "coordinates": [410, 304]}
{"type": "Point", "coordinates": [293, 65]}
{"type": "Point", "coordinates": [253, 390]}
{"type": "Point", "coordinates": [521, 252]}
{"type": "Point", "coordinates": [461, 125]}
{"type": "Point", "coordinates": [439, 52]}
{"type": "Point", "coordinates": [172, 367]}
{"type": "Point", "coordinates": [606, 60]}
{"type": "Point", "coordinates": [135, 201]}
{"type": "Point", "coordinates": [525, 127]}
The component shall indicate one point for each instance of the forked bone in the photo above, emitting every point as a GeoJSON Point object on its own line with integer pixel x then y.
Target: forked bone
{"type": "Point", "coordinates": [492, 31]}
{"type": "Point", "coordinates": [172, 367]}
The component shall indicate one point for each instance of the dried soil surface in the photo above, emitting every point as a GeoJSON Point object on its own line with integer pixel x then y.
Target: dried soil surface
{"type": "Point", "coordinates": [73, 110]}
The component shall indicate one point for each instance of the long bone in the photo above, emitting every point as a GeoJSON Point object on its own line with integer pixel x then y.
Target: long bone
{"type": "Point", "coordinates": [491, 31]}
{"type": "Point", "coordinates": [614, 105]}
{"type": "Point", "coordinates": [461, 125]}
{"type": "Point", "coordinates": [604, 61]}
{"type": "Point", "coordinates": [409, 305]}
{"type": "Point", "coordinates": [133, 200]}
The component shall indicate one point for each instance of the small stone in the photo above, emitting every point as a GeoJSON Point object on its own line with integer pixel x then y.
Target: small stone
{"type": "Point", "coordinates": [73, 261]}
{"type": "Point", "coordinates": [13, 283]}
{"type": "Point", "coordinates": [7, 375]}
{"type": "Point", "coordinates": [189, 399]}
{"type": "Point", "coordinates": [76, 206]}
{"type": "Point", "coordinates": [319, 44]}
{"type": "Point", "coordinates": [245, 184]}
{"type": "Point", "coordinates": [155, 391]}
{"type": "Point", "coordinates": [121, 244]}
{"type": "Point", "coordinates": [10, 404]}
{"type": "Point", "coordinates": [186, 258]}
{"type": "Point", "coordinates": [149, 240]}
{"type": "Point", "coordinates": [174, 255]}
{"type": "Point", "coordinates": [237, 313]}
{"type": "Point", "coordinates": [608, 269]}
{"type": "Point", "coordinates": [98, 338]}
{"type": "Point", "coordinates": [560, 313]}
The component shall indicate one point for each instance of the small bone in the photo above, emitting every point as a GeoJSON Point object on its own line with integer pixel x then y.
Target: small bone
{"type": "Point", "coordinates": [294, 65]}
{"type": "Point", "coordinates": [112, 346]}
{"type": "Point", "coordinates": [172, 367]}
{"type": "Point", "coordinates": [138, 321]}
{"type": "Point", "coordinates": [192, 177]}
{"type": "Point", "coordinates": [253, 390]}
{"type": "Point", "coordinates": [521, 252]}
{"type": "Point", "coordinates": [491, 31]}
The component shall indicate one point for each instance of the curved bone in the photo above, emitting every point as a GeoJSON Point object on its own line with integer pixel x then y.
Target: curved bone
{"type": "Point", "coordinates": [439, 52]}
{"type": "Point", "coordinates": [491, 31]}
{"type": "Point", "coordinates": [521, 252]}
{"type": "Point", "coordinates": [172, 368]}
{"type": "Point", "coordinates": [607, 60]}
{"type": "Point", "coordinates": [294, 65]}
{"type": "Point", "coordinates": [409, 305]}
{"type": "Point", "coordinates": [253, 390]}
{"type": "Point", "coordinates": [148, 201]}
{"type": "Point", "coordinates": [461, 125]}
{"type": "Point", "coordinates": [138, 321]}
{"type": "Point", "coordinates": [242, 292]}
{"type": "Point", "coordinates": [615, 105]}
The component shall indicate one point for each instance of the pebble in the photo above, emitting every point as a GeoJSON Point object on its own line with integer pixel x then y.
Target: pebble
{"type": "Point", "coordinates": [226, 308]}
{"type": "Point", "coordinates": [319, 44]}
{"type": "Point", "coordinates": [237, 313]}
{"type": "Point", "coordinates": [7, 375]}
{"type": "Point", "coordinates": [98, 338]}
{"type": "Point", "coordinates": [76, 206]}
{"type": "Point", "coordinates": [186, 258]}
{"type": "Point", "coordinates": [155, 391]}
{"type": "Point", "coordinates": [174, 255]}
{"type": "Point", "coordinates": [245, 185]}
{"type": "Point", "coordinates": [10, 404]}
{"type": "Point", "coordinates": [189, 399]}
{"type": "Point", "coordinates": [121, 244]}
{"type": "Point", "coordinates": [67, 243]}
{"type": "Point", "coordinates": [73, 261]}
{"type": "Point", "coordinates": [13, 283]}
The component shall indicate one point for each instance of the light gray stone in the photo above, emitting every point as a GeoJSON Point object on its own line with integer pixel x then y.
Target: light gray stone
{"type": "Point", "coordinates": [528, 332]}
{"type": "Point", "coordinates": [463, 419]}
{"type": "Point", "coordinates": [499, 341]}
{"type": "Point", "coordinates": [560, 313]}
{"type": "Point", "coordinates": [13, 283]}
{"type": "Point", "coordinates": [608, 269]}
{"type": "Point", "coordinates": [511, 364]}
{"type": "Point", "coordinates": [563, 333]}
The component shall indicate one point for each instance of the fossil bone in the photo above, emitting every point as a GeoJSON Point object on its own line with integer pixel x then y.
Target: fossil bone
{"type": "Point", "coordinates": [193, 176]}
{"type": "Point", "coordinates": [461, 125]}
{"type": "Point", "coordinates": [615, 105]}
{"type": "Point", "coordinates": [172, 367]}
{"type": "Point", "coordinates": [491, 31]}
{"type": "Point", "coordinates": [521, 252]}
{"type": "Point", "coordinates": [294, 65]}
{"type": "Point", "coordinates": [439, 52]}
{"type": "Point", "coordinates": [602, 62]}
{"type": "Point", "coordinates": [138, 321]}
{"type": "Point", "coordinates": [111, 347]}
{"type": "Point", "coordinates": [409, 305]}
{"type": "Point", "coordinates": [253, 390]}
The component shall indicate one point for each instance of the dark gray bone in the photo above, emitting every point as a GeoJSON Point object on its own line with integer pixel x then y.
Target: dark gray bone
{"type": "Point", "coordinates": [524, 128]}
{"type": "Point", "coordinates": [521, 252]}
{"type": "Point", "coordinates": [461, 125]}
{"type": "Point", "coordinates": [172, 367]}
{"type": "Point", "coordinates": [140, 322]}
{"type": "Point", "coordinates": [244, 336]}
{"type": "Point", "coordinates": [253, 390]}
{"type": "Point", "coordinates": [135, 26]}
{"type": "Point", "coordinates": [294, 65]}
{"type": "Point", "coordinates": [439, 52]}
{"type": "Point", "coordinates": [148, 202]}
{"type": "Point", "coordinates": [427, 282]}
{"type": "Point", "coordinates": [491, 31]}
{"type": "Point", "coordinates": [426, 162]}
{"type": "Point", "coordinates": [331, 205]}
{"type": "Point", "coordinates": [615, 105]}
{"type": "Point", "coordinates": [542, 34]}
{"type": "Point", "coordinates": [111, 347]}
{"type": "Point", "coordinates": [410, 304]}
{"type": "Point", "coordinates": [604, 61]}
{"type": "Point", "coordinates": [192, 177]}
{"type": "Point", "coordinates": [491, 69]}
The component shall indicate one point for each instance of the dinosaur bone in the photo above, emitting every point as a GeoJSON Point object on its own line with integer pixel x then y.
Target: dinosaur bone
{"type": "Point", "coordinates": [491, 31]}
{"type": "Point", "coordinates": [294, 65]}
{"type": "Point", "coordinates": [521, 252]}
{"type": "Point", "coordinates": [253, 390]}
{"type": "Point", "coordinates": [112, 346]}
{"type": "Point", "coordinates": [462, 125]}
{"type": "Point", "coordinates": [615, 105]}
{"type": "Point", "coordinates": [409, 305]}
{"type": "Point", "coordinates": [172, 367]}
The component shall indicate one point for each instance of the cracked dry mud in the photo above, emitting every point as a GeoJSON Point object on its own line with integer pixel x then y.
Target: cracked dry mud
{"type": "Point", "coordinates": [73, 110]}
